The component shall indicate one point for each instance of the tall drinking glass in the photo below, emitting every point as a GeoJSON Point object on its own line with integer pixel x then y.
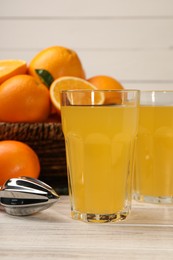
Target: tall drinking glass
{"type": "Point", "coordinates": [154, 154]}
{"type": "Point", "coordinates": [100, 128]}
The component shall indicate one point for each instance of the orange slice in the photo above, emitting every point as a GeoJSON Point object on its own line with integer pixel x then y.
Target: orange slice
{"type": "Point", "coordinates": [74, 83]}
{"type": "Point", "coordinates": [10, 68]}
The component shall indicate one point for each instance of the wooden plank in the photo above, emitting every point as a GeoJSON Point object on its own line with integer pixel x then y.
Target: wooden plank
{"type": "Point", "coordinates": [93, 34]}
{"type": "Point", "coordinates": [141, 65]}
{"type": "Point", "coordinates": [52, 234]}
{"type": "Point", "coordinates": [89, 8]}
{"type": "Point", "coordinates": [141, 68]}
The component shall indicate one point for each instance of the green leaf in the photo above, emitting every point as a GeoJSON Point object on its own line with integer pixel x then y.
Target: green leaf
{"type": "Point", "coordinates": [45, 76]}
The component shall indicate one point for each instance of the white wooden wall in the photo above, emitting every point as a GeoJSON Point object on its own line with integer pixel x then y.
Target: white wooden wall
{"type": "Point", "coordinates": [131, 40]}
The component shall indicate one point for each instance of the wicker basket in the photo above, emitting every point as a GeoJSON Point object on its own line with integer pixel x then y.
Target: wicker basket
{"type": "Point", "coordinates": [47, 140]}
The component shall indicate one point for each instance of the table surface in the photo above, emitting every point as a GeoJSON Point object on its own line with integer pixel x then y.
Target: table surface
{"type": "Point", "coordinates": [52, 234]}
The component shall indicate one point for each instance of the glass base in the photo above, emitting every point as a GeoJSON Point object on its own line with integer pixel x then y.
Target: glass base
{"type": "Point", "coordinates": [99, 218]}
{"type": "Point", "coordinates": [153, 199]}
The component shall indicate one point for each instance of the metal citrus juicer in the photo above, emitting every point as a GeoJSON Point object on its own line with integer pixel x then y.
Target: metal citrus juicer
{"type": "Point", "coordinates": [25, 196]}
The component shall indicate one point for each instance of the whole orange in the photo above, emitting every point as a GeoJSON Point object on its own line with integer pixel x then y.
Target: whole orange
{"type": "Point", "coordinates": [54, 62]}
{"type": "Point", "coordinates": [103, 82]}
{"type": "Point", "coordinates": [24, 99]}
{"type": "Point", "coordinates": [17, 159]}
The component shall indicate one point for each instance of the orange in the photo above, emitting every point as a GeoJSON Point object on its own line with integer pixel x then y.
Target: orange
{"type": "Point", "coordinates": [23, 99]}
{"type": "Point", "coordinates": [103, 82]}
{"type": "Point", "coordinates": [72, 83]}
{"type": "Point", "coordinates": [10, 68]}
{"type": "Point", "coordinates": [17, 159]}
{"type": "Point", "coordinates": [54, 62]}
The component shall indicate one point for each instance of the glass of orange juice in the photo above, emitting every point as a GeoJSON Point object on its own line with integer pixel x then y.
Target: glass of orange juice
{"type": "Point", "coordinates": [154, 150]}
{"type": "Point", "coordinates": [100, 139]}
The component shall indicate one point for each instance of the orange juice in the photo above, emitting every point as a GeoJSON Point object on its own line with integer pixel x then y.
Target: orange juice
{"type": "Point", "coordinates": [99, 147]}
{"type": "Point", "coordinates": [154, 163]}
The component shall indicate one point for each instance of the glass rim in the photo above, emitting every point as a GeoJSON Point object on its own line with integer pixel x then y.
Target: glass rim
{"type": "Point", "coordinates": [156, 91]}
{"type": "Point", "coordinates": [100, 90]}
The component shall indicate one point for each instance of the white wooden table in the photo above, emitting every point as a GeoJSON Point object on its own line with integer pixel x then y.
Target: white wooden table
{"type": "Point", "coordinates": [52, 234]}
